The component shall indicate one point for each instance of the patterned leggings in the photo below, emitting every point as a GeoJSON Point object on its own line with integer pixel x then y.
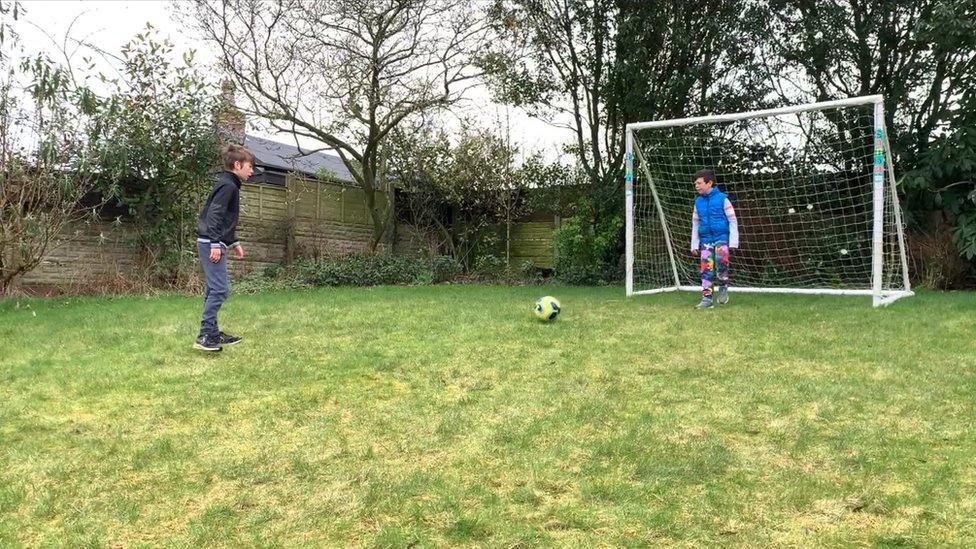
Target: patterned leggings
{"type": "Point", "coordinates": [709, 267]}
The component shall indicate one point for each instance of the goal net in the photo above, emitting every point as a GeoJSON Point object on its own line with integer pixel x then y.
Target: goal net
{"type": "Point", "coordinates": [813, 191]}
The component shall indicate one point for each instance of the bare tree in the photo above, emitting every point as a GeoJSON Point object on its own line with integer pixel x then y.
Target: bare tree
{"type": "Point", "coordinates": [591, 66]}
{"type": "Point", "coordinates": [9, 12]}
{"type": "Point", "coordinates": [919, 54]}
{"type": "Point", "coordinates": [43, 176]}
{"type": "Point", "coordinates": [458, 190]}
{"type": "Point", "coordinates": [555, 58]}
{"type": "Point", "coordinates": [345, 72]}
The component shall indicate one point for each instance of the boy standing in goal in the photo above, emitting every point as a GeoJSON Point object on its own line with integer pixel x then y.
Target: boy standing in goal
{"type": "Point", "coordinates": [714, 230]}
{"type": "Point", "coordinates": [216, 236]}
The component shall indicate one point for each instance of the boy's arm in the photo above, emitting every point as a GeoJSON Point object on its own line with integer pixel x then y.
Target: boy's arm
{"type": "Point", "coordinates": [236, 244]}
{"type": "Point", "coordinates": [694, 229]}
{"type": "Point", "coordinates": [733, 224]}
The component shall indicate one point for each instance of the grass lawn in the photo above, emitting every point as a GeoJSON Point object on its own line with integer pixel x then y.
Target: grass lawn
{"type": "Point", "coordinates": [445, 416]}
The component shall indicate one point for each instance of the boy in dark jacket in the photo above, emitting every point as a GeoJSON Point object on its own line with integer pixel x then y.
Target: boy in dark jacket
{"type": "Point", "coordinates": [216, 228]}
{"type": "Point", "coordinates": [715, 230]}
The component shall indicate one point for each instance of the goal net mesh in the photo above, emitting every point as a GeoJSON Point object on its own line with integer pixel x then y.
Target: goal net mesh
{"type": "Point", "coordinates": [802, 188]}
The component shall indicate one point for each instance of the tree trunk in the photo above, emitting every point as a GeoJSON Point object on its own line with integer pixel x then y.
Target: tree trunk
{"type": "Point", "coordinates": [508, 239]}
{"type": "Point", "coordinates": [10, 271]}
{"type": "Point", "coordinates": [391, 217]}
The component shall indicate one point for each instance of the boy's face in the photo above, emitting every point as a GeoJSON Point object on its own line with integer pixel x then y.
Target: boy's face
{"type": "Point", "coordinates": [703, 186]}
{"type": "Point", "coordinates": [243, 170]}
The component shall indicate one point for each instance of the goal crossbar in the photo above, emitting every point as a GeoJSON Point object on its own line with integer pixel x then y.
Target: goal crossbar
{"type": "Point", "coordinates": [823, 105]}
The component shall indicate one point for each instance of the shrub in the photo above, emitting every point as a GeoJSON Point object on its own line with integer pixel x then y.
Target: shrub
{"type": "Point", "coordinates": [444, 268]}
{"type": "Point", "coordinates": [935, 261]}
{"type": "Point", "coordinates": [589, 256]}
{"type": "Point", "coordinates": [364, 270]}
{"type": "Point", "coordinates": [489, 267]}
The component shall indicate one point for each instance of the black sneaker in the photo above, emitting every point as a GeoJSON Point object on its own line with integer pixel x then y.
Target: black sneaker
{"type": "Point", "coordinates": [226, 339]}
{"type": "Point", "coordinates": [209, 343]}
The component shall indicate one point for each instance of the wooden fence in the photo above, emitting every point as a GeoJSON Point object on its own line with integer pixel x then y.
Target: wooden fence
{"type": "Point", "coordinates": [532, 241]}
{"type": "Point", "coordinates": [303, 219]}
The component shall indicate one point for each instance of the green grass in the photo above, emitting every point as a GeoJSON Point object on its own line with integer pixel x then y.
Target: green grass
{"type": "Point", "coordinates": [446, 416]}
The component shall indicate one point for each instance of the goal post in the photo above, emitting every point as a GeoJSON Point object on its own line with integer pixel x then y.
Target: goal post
{"type": "Point", "coordinates": [814, 191]}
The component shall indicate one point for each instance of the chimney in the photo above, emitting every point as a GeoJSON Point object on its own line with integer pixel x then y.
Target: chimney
{"type": "Point", "coordinates": [230, 119]}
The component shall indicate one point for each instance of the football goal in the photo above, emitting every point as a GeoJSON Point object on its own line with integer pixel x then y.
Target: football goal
{"type": "Point", "coordinates": [813, 190]}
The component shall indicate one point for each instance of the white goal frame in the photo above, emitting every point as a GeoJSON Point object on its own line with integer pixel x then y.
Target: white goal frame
{"type": "Point", "coordinates": [882, 164]}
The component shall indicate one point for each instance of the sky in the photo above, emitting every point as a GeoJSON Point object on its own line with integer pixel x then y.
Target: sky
{"type": "Point", "coordinates": [108, 25]}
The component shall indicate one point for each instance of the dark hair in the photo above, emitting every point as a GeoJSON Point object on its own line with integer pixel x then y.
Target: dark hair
{"type": "Point", "coordinates": [707, 175]}
{"type": "Point", "coordinates": [236, 153]}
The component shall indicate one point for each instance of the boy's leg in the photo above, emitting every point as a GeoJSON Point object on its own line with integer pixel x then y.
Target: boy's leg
{"type": "Point", "coordinates": [707, 267]}
{"type": "Point", "coordinates": [206, 291]}
{"type": "Point", "coordinates": [722, 272]}
{"type": "Point", "coordinates": [218, 288]}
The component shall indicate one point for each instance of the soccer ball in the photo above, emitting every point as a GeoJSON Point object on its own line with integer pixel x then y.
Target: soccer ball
{"type": "Point", "coordinates": [547, 308]}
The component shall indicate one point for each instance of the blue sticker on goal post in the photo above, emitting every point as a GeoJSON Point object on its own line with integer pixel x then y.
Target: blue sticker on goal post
{"type": "Point", "coordinates": [879, 134]}
{"type": "Point", "coordinates": [629, 174]}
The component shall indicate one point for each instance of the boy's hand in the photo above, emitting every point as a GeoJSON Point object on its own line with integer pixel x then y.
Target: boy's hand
{"type": "Point", "coordinates": [239, 251]}
{"type": "Point", "coordinates": [215, 255]}
{"type": "Point", "coordinates": [694, 253]}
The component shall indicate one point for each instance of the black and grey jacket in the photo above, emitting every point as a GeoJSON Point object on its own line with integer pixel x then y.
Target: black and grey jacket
{"type": "Point", "coordinates": [218, 220]}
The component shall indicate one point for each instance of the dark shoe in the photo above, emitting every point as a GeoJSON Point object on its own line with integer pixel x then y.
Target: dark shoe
{"type": "Point", "coordinates": [209, 343]}
{"type": "Point", "coordinates": [723, 295]}
{"type": "Point", "coordinates": [226, 339]}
